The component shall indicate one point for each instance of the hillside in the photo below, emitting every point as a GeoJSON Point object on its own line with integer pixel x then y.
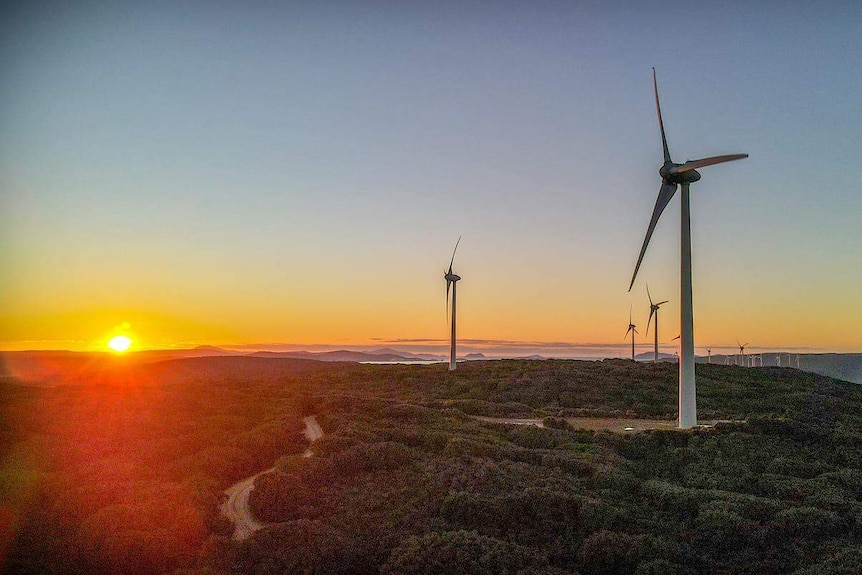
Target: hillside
{"type": "Point", "coordinates": [123, 472]}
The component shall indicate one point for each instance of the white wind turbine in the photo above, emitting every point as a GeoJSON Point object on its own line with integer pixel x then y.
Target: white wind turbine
{"type": "Point", "coordinates": [633, 330]}
{"type": "Point", "coordinates": [653, 310]}
{"type": "Point", "coordinates": [682, 175]}
{"type": "Point", "coordinates": [452, 281]}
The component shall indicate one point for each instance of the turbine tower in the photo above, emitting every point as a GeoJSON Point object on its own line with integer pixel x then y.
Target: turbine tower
{"type": "Point", "coordinates": [452, 281]}
{"type": "Point", "coordinates": [708, 355]}
{"type": "Point", "coordinates": [682, 175]}
{"type": "Point", "coordinates": [653, 310]}
{"type": "Point", "coordinates": [633, 330]}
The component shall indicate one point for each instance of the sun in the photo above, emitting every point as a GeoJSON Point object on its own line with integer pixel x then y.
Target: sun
{"type": "Point", "coordinates": [120, 343]}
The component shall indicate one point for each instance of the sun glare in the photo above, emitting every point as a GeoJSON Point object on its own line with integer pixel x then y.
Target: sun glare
{"type": "Point", "coordinates": [120, 343]}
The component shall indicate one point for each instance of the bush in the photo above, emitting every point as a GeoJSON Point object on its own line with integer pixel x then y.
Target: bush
{"type": "Point", "coordinates": [610, 553]}
{"type": "Point", "coordinates": [461, 553]}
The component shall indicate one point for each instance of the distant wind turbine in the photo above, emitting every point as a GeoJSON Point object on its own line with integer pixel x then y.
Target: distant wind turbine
{"type": "Point", "coordinates": [682, 175]}
{"type": "Point", "coordinates": [452, 281]}
{"type": "Point", "coordinates": [708, 355]}
{"type": "Point", "coordinates": [676, 353]}
{"type": "Point", "coordinates": [633, 330]}
{"type": "Point", "coordinates": [653, 310]}
{"type": "Point", "coordinates": [741, 352]}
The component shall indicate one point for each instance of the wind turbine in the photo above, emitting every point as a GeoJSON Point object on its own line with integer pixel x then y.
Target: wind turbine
{"type": "Point", "coordinates": [708, 355]}
{"type": "Point", "coordinates": [452, 281]}
{"type": "Point", "coordinates": [633, 330]}
{"type": "Point", "coordinates": [653, 310]}
{"type": "Point", "coordinates": [741, 352]}
{"type": "Point", "coordinates": [682, 175]}
{"type": "Point", "coordinates": [676, 353]}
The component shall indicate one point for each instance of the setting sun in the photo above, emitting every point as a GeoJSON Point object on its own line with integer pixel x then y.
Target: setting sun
{"type": "Point", "coordinates": [120, 343]}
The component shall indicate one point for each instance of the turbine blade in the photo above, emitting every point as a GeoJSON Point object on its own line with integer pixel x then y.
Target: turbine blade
{"type": "Point", "coordinates": [627, 331]}
{"type": "Point", "coordinates": [660, 123]}
{"type": "Point", "coordinates": [453, 254]}
{"type": "Point", "coordinates": [677, 337]}
{"type": "Point", "coordinates": [703, 162]}
{"type": "Point", "coordinates": [649, 296]}
{"type": "Point", "coordinates": [651, 313]}
{"type": "Point", "coordinates": [665, 194]}
{"type": "Point", "coordinates": [662, 302]}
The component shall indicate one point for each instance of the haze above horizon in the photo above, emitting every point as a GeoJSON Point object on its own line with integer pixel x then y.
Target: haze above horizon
{"type": "Point", "coordinates": [300, 173]}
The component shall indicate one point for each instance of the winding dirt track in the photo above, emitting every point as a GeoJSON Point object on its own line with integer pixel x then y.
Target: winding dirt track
{"type": "Point", "coordinates": [236, 508]}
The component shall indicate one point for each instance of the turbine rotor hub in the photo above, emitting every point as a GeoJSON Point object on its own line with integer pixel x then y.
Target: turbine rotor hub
{"type": "Point", "coordinates": [671, 176]}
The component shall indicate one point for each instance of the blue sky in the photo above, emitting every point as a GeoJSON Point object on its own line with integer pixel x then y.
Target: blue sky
{"type": "Point", "coordinates": [300, 173]}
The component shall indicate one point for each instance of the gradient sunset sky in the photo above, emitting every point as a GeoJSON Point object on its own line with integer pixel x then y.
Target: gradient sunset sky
{"type": "Point", "coordinates": [298, 172]}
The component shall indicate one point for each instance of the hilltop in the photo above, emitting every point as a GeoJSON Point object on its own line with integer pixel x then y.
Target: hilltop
{"type": "Point", "coordinates": [123, 472]}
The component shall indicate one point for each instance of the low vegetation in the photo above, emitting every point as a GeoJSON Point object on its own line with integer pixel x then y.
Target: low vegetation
{"type": "Point", "coordinates": [124, 474]}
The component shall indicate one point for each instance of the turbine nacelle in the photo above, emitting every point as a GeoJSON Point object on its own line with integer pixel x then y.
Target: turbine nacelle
{"type": "Point", "coordinates": [671, 174]}
{"type": "Point", "coordinates": [450, 277]}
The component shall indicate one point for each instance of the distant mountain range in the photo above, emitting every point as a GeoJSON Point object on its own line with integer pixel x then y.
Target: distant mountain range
{"type": "Point", "coordinates": [343, 355]}
{"type": "Point", "coordinates": [648, 356]}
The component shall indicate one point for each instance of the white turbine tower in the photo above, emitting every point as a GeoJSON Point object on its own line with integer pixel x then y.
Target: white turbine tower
{"type": "Point", "coordinates": [452, 281]}
{"type": "Point", "coordinates": [633, 330]}
{"type": "Point", "coordinates": [682, 175]}
{"type": "Point", "coordinates": [708, 355]}
{"type": "Point", "coordinates": [653, 310]}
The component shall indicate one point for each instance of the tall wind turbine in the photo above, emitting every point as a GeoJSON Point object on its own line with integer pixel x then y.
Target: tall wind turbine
{"type": "Point", "coordinates": [682, 175]}
{"type": "Point", "coordinates": [633, 330]}
{"type": "Point", "coordinates": [452, 282]}
{"type": "Point", "coordinates": [653, 310]}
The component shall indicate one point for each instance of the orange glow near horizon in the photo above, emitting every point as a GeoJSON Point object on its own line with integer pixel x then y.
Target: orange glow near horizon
{"type": "Point", "coordinates": [336, 316]}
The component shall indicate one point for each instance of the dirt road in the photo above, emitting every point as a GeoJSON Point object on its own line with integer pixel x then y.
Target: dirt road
{"type": "Point", "coordinates": [236, 508]}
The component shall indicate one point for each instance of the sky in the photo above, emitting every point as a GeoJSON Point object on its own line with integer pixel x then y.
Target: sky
{"type": "Point", "coordinates": [297, 173]}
